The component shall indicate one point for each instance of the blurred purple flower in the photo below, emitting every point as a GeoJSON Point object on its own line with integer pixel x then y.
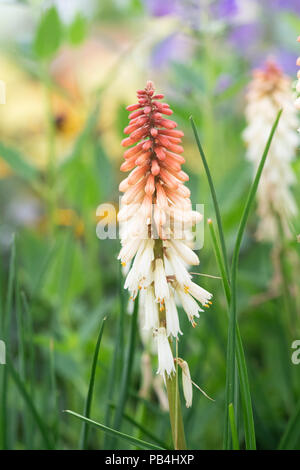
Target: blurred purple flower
{"type": "Point", "coordinates": [187, 10]}
{"type": "Point", "coordinates": [245, 36]}
{"type": "Point", "coordinates": [285, 59]}
{"type": "Point", "coordinates": [161, 7]}
{"type": "Point", "coordinates": [174, 47]}
{"type": "Point", "coordinates": [225, 8]}
{"type": "Point", "coordinates": [292, 5]}
{"type": "Point", "coordinates": [190, 12]}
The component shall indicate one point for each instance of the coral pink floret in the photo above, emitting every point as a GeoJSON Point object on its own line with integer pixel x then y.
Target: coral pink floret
{"type": "Point", "coordinates": [154, 159]}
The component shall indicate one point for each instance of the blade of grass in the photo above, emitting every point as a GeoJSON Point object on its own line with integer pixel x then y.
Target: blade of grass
{"type": "Point", "coordinates": [235, 439]}
{"type": "Point", "coordinates": [117, 357]}
{"type": "Point", "coordinates": [52, 401]}
{"type": "Point", "coordinates": [214, 197]}
{"type": "Point", "coordinates": [122, 316]}
{"type": "Point", "coordinates": [5, 328]}
{"type": "Point", "coordinates": [1, 290]}
{"type": "Point", "coordinates": [241, 361]}
{"type": "Point", "coordinates": [291, 437]}
{"type": "Point", "coordinates": [21, 331]}
{"type": "Point", "coordinates": [245, 393]}
{"type": "Point", "coordinates": [219, 259]}
{"type": "Point", "coordinates": [29, 341]}
{"type": "Point", "coordinates": [153, 408]}
{"type": "Point", "coordinates": [89, 398]}
{"type": "Point", "coordinates": [243, 376]}
{"type": "Point", "coordinates": [142, 428]}
{"type": "Point", "coordinates": [30, 354]}
{"type": "Point", "coordinates": [144, 391]}
{"type": "Point", "coordinates": [30, 405]}
{"type": "Point", "coordinates": [18, 162]}
{"type": "Point", "coordinates": [10, 286]}
{"type": "Point", "coordinates": [125, 382]}
{"type": "Point", "coordinates": [231, 345]}
{"type": "Point", "coordinates": [43, 268]}
{"type": "Point", "coordinates": [240, 355]}
{"type": "Point", "coordinates": [116, 434]}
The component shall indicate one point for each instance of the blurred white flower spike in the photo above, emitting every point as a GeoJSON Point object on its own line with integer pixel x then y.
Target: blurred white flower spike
{"type": "Point", "coordinates": [269, 91]}
{"type": "Point", "coordinates": [156, 221]}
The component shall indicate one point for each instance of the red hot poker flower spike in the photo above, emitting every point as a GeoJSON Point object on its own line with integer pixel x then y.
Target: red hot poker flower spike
{"type": "Point", "coordinates": [156, 149]}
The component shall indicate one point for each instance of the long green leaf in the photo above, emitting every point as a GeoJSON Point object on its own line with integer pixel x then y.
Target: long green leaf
{"type": "Point", "coordinates": [51, 385]}
{"type": "Point", "coordinates": [142, 429]}
{"type": "Point", "coordinates": [231, 345]}
{"type": "Point", "coordinates": [219, 259]}
{"type": "Point", "coordinates": [246, 400]}
{"type": "Point", "coordinates": [29, 341]}
{"type": "Point", "coordinates": [214, 197]}
{"type": "Point", "coordinates": [234, 434]}
{"type": "Point", "coordinates": [125, 382]}
{"type": "Point", "coordinates": [291, 438]}
{"type": "Point", "coordinates": [5, 329]}
{"type": "Point", "coordinates": [118, 356]}
{"type": "Point", "coordinates": [240, 355]}
{"type": "Point", "coordinates": [10, 287]}
{"type": "Point", "coordinates": [132, 440]}
{"type": "Point", "coordinates": [43, 267]}
{"type": "Point", "coordinates": [30, 405]}
{"type": "Point", "coordinates": [30, 349]}
{"type": "Point", "coordinates": [89, 398]}
{"type": "Point", "coordinates": [241, 361]}
{"type": "Point", "coordinates": [18, 162]}
{"type": "Point", "coordinates": [21, 331]}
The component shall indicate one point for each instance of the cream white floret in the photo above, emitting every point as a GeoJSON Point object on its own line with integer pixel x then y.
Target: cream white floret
{"type": "Point", "coordinates": [165, 357]}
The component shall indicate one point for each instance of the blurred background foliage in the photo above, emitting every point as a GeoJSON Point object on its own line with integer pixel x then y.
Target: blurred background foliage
{"type": "Point", "coordinates": [70, 68]}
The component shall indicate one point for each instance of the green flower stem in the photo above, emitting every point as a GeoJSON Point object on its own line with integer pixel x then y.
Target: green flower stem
{"type": "Point", "coordinates": [172, 381]}
{"type": "Point", "coordinates": [175, 412]}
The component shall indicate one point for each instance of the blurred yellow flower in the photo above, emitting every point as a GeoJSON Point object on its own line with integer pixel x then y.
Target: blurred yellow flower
{"type": "Point", "coordinates": [4, 169]}
{"type": "Point", "coordinates": [69, 218]}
